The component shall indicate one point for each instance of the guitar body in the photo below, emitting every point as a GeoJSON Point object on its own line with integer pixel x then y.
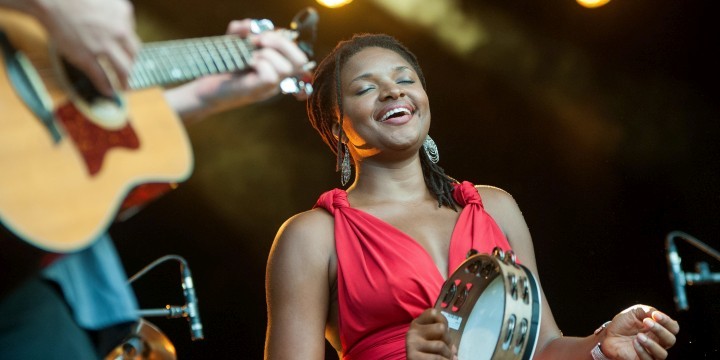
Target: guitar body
{"type": "Point", "coordinates": [60, 194]}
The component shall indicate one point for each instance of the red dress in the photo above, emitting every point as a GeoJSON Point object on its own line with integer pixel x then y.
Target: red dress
{"type": "Point", "coordinates": [385, 279]}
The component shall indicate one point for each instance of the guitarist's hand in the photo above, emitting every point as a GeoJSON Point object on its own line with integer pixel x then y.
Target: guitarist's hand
{"type": "Point", "coordinates": [275, 59]}
{"type": "Point", "coordinates": [91, 34]}
{"type": "Point", "coordinates": [428, 338]}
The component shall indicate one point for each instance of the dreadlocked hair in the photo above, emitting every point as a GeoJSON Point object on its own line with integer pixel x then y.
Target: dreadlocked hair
{"type": "Point", "coordinates": [325, 107]}
{"type": "Point", "coordinates": [436, 180]}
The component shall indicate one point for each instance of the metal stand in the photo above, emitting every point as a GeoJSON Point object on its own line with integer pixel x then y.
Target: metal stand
{"type": "Point", "coordinates": [679, 278]}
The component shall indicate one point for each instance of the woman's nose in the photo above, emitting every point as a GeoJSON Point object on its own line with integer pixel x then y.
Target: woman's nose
{"type": "Point", "coordinates": [392, 91]}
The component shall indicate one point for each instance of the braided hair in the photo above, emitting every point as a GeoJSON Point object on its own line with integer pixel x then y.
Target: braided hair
{"type": "Point", "coordinates": [325, 107]}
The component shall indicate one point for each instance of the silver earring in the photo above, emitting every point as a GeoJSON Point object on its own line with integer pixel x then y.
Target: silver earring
{"type": "Point", "coordinates": [345, 166]}
{"type": "Point", "coordinates": [431, 149]}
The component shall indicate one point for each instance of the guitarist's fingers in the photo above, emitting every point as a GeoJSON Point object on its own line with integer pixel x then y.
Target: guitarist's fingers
{"type": "Point", "coordinates": [281, 66]}
{"type": "Point", "coordinates": [131, 45]}
{"type": "Point", "coordinates": [97, 73]}
{"type": "Point", "coordinates": [120, 64]}
{"type": "Point", "coordinates": [86, 31]}
{"type": "Point", "coordinates": [122, 54]}
{"type": "Point", "coordinates": [265, 81]}
{"type": "Point", "coordinates": [239, 27]}
{"type": "Point", "coordinates": [109, 71]}
{"type": "Point", "coordinates": [276, 41]}
{"type": "Point", "coordinates": [284, 47]}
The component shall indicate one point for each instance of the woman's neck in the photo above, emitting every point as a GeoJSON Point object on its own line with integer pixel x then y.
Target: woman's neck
{"type": "Point", "coordinates": [382, 182]}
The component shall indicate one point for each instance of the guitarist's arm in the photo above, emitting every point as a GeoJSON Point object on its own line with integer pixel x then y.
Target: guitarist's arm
{"type": "Point", "coordinates": [88, 33]}
{"type": "Point", "coordinates": [276, 58]}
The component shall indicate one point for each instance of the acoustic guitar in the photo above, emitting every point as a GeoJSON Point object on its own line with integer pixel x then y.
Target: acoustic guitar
{"type": "Point", "coordinates": [70, 157]}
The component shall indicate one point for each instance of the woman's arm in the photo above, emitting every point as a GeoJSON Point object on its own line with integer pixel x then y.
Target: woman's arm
{"type": "Point", "coordinates": [297, 287]}
{"type": "Point", "coordinates": [504, 210]}
{"type": "Point", "coordinates": [639, 332]}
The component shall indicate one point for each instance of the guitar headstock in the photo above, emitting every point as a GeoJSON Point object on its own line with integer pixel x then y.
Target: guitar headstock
{"type": "Point", "coordinates": [303, 30]}
{"type": "Point", "coordinates": [305, 25]}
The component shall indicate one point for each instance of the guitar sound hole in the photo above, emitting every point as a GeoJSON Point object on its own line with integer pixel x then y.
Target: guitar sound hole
{"type": "Point", "coordinates": [83, 87]}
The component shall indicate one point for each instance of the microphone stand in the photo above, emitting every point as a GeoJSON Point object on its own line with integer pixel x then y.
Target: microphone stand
{"type": "Point", "coordinates": [136, 345]}
{"type": "Point", "coordinates": [172, 311]}
{"type": "Point", "coordinates": [702, 276]}
{"type": "Point", "coordinates": [169, 311]}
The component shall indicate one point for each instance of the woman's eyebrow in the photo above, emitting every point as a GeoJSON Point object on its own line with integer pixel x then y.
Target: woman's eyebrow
{"type": "Point", "coordinates": [361, 77]}
{"type": "Point", "coordinates": [396, 69]}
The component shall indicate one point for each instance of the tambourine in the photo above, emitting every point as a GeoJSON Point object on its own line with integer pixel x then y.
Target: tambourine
{"type": "Point", "coordinates": [492, 305]}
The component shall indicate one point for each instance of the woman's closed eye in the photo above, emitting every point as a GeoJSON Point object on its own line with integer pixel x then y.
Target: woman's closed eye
{"type": "Point", "coordinates": [364, 90]}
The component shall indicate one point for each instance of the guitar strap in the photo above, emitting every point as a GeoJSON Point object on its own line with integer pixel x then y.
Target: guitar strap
{"type": "Point", "coordinates": [22, 81]}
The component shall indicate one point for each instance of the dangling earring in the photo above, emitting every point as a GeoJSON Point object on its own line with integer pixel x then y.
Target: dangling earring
{"type": "Point", "coordinates": [345, 166]}
{"type": "Point", "coordinates": [431, 149]}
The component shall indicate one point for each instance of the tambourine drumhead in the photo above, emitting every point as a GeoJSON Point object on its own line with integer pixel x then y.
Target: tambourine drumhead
{"type": "Point", "coordinates": [484, 323]}
{"type": "Point", "coordinates": [493, 308]}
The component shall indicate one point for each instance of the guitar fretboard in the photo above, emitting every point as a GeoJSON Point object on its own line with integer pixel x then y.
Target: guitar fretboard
{"type": "Point", "coordinates": [170, 62]}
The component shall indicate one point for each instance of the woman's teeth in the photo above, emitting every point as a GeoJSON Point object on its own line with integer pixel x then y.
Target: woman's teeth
{"type": "Point", "coordinates": [393, 112]}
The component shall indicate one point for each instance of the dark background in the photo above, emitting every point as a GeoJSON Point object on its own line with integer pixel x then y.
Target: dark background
{"type": "Point", "coordinates": [601, 122]}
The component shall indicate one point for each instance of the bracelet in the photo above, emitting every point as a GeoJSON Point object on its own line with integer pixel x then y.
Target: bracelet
{"type": "Point", "coordinates": [597, 353]}
{"type": "Point", "coordinates": [602, 327]}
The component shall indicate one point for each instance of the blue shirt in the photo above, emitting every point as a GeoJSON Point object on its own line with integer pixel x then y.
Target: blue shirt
{"type": "Point", "coordinates": [95, 285]}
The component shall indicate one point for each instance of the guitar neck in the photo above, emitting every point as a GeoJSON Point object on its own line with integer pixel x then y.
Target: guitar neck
{"type": "Point", "coordinates": [169, 62]}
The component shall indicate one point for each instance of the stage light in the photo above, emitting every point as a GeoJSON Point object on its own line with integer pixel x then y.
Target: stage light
{"type": "Point", "coordinates": [592, 3]}
{"type": "Point", "coordinates": [455, 28]}
{"type": "Point", "coordinates": [333, 3]}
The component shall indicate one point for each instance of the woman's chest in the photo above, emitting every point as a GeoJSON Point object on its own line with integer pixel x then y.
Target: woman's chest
{"type": "Point", "coordinates": [431, 227]}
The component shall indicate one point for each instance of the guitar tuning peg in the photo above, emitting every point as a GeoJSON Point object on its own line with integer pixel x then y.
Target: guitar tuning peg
{"type": "Point", "coordinates": [261, 25]}
{"type": "Point", "coordinates": [308, 89]}
{"type": "Point", "coordinates": [295, 86]}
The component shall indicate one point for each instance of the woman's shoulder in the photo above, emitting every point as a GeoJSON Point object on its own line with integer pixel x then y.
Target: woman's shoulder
{"type": "Point", "coordinates": [305, 239]}
{"type": "Point", "coordinates": [502, 207]}
{"type": "Point", "coordinates": [493, 194]}
{"type": "Point", "coordinates": [499, 203]}
{"type": "Point", "coordinates": [310, 223]}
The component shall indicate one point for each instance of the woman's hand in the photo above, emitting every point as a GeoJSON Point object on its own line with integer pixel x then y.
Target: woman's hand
{"type": "Point", "coordinates": [639, 333]}
{"type": "Point", "coordinates": [428, 338]}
